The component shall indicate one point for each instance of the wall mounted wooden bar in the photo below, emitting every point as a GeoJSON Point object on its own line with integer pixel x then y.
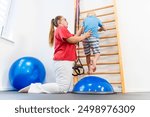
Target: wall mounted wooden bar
{"type": "Point", "coordinates": [105, 7]}
{"type": "Point", "coordinates": [109, 54]}
{"type": "Point", "coordinates": [98, 73]}
{"type": "Point", "coordinates": [104, 63]}
{"type": "Point", "coordinates": [102, 15]}
{"type": "Point", "coordinates": [102, 46]}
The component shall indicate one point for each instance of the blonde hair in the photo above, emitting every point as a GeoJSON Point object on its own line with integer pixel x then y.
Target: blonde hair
{"type": "Point", "coordinates": [54, 23]}
{"type": "Point", "coordinates": [92, 13]}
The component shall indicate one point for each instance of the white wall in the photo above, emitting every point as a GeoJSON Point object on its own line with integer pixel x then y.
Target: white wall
{"type": "Point", "coordinates": [30, 29]}
{"type": "Point", "coordinates": [134, 23]}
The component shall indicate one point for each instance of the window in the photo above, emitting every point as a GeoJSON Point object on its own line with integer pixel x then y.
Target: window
{"type": "Point", "coordinates": [4, 13]}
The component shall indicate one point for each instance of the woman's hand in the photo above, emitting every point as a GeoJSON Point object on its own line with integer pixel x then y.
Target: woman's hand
{"type": "Point", "coordinates": [87, 34]}
{"type": "Point", "coordinates": [80, 31]}
{"type": "Point", "coordinates": [76, 39]}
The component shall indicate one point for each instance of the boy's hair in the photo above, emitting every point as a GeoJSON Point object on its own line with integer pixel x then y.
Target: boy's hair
{"type": "Point", "coordinates": [92, 13]}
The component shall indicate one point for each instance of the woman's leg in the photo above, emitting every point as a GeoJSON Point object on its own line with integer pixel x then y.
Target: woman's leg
{"type": "Point", "coordinates": [64, 76]}
{"type": "Point", "coordinates": [64, 79]}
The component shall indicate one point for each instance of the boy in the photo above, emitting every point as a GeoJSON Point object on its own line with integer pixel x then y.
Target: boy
{"type": "Point", "coordinates": [92, 23]}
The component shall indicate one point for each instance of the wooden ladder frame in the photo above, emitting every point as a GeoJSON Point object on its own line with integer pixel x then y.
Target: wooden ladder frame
{"type": "Point", "coordinates": [117, 36]}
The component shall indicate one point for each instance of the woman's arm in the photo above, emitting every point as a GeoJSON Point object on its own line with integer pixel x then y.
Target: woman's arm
{"type": "Point", "coordinates": [80, 31]}
{"type": "Point", "coordinates": [76, 38]}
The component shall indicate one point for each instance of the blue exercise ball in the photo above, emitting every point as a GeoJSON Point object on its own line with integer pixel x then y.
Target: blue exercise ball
{"type": "Point", "coordinates": [25, 71]}
{"type": "Point", "coordinates": [93, 84]}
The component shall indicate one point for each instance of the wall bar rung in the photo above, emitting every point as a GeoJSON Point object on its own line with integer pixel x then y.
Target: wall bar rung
{"type": "Point", "coordinates": [105, 7]}
{"type": "Point", "coordinates": [104, 63]}
{"type": "Point", "coordinates": [110, 54]}
{"type": "Point", "coordinates": [106, 37]}
{"type": "Point", "coordinates": [102, 15]}
{"type": "Point", "coordinates": [98, 73]}
{"type": "Point", "coordinates": [102, 46]}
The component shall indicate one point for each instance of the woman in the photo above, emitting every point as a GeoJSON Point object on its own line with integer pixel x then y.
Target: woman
{"type": "Point", "coordinates": [64, 57]}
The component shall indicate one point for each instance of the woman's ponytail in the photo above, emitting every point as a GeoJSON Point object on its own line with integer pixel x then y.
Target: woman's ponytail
{"type": "Point", "coordinates": [54, 22]}
{"type": "Point", "coordinates": [51, 33]}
